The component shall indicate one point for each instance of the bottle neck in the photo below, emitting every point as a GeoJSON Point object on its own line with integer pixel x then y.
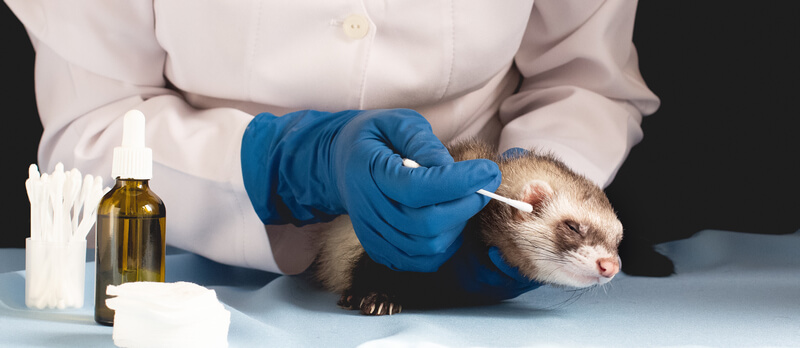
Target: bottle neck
{"type": "Point", "coordinates": [133, 183]}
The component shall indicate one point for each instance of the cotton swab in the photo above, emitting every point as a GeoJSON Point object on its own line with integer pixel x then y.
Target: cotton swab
{"type": "Point", "coordinates": [82, 196]}
{"type": "Point", "coordinates": [407, 162]}
{"type": "Point", "coordinates": [58, 200]}
{"type": "Point", "coordinates": [32, 185]}
{"type": "Point", "coordinates": [56, 193]}
{"type": "Point", "coordinates": [512, 202]}
{"type": "Point", "coordinates": [90, 207]}
{"type": "Point", "coordinates": [77, 180]}
{"type": "Point", "coordinates": [45, 214]}
{"type": "Point", "coordinates": [83, 202]}
{"type": "Point", "coordinates": [72, 188]}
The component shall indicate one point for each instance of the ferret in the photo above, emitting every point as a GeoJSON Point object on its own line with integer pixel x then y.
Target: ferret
{"type": "Point", "coordinates": [569, 240]}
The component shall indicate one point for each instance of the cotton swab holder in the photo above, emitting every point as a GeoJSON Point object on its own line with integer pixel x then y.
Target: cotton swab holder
{"type": "Point", "coordinates": [54, 274]}
{"type": "Point", "coordinates": [55, 253]}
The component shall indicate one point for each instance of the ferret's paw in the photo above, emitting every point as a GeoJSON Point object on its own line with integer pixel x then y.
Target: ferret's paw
{"type": "Point", "coordinates": [349, 301]}
{"type": "Point", "coordinates": [379, 304]}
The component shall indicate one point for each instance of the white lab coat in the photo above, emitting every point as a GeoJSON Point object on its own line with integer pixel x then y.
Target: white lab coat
{"type": "Point", "coordinates": [559, 75]}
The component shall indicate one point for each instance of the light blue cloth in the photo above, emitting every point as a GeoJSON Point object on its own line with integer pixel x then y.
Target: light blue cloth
{"type": "Point", "coordinates": [731, 290]}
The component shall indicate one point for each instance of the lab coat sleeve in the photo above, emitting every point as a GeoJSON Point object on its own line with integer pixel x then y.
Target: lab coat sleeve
{"type": "Point", "coordinates": [95, 60]}
{"type": "Point", "coordinates": [582, 96]}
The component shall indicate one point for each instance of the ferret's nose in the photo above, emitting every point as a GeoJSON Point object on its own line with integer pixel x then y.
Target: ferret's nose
{"type": "Point", "coordinates": [607, 267]}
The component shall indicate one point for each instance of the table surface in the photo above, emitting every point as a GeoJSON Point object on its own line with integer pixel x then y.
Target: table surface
{"type": "Point", "coordinates": [731, 290]}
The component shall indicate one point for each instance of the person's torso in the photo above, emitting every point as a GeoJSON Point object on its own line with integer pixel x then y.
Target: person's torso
{"type": "Point", "coordinates": [295, 55]}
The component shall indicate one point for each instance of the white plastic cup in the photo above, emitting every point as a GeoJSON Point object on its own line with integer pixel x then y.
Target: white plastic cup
{"type": "Point", "coordinates": [54, 274]}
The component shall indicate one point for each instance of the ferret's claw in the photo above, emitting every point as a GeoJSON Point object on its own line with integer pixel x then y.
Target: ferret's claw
{"type": "Point", "coordinates": [379, 304]}
{"type": "Point", "coordinates": [347, 301]}
{"type": "Point", "coordinates": [374, 303]}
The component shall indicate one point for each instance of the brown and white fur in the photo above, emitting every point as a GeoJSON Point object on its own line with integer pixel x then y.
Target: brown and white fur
{"type": "Point", "coordinates": [570, 239]}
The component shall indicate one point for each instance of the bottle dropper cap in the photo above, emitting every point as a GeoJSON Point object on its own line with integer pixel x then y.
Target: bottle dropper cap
{"type": "Point", "coordinates": [132, 160]}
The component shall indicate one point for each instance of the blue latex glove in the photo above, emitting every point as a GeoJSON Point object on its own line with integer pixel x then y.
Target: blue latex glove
{"type": "Point", "coordinates": [310, 166]}
{"type": "Point", "coordinates": [482, 276]}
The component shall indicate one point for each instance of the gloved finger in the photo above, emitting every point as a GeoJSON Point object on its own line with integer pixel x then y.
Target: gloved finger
{"type": "Point", "coordinates": [423, 186]}
{"type": "Point", "coordinates": [427, 221]}
{"type": "Point", "coordinates": [410, 135]}
{"type": "Point", "coordinates": [382, 251]}
{"type": "Point", "coordinates": [417, 245]}
{"type": "Point", "coordinates": [431, 220]}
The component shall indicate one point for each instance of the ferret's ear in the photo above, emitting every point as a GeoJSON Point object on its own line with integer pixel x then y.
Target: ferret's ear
{"type": "Point", "coordinates": [535, 192]}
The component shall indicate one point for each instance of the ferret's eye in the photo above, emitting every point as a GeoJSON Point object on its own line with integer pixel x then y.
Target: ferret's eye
{"type": "Point", "coordinates": [574, 227]}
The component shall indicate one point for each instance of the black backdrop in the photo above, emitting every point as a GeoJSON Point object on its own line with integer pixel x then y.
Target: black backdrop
{"type": "Point", "coordinates": [721, 153]}
{"type": "Point", "coordinates": [21, 129]}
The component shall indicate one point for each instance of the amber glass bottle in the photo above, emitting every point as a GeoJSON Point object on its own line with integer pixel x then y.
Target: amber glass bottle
{"type": "Point", "coordinates": [131, 221]}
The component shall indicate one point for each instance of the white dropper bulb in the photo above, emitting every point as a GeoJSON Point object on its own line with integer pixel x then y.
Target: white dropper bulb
{"type": "Point", "coordinates": [132, 160]}
{"type": "Point", "coordinates": [133, 129]}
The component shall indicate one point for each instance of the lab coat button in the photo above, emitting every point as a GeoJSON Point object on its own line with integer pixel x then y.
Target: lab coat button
{"type": "Point", "coordinates": [356, 26]}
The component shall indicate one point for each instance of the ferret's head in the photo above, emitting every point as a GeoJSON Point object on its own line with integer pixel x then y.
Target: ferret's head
{"type": "Point", "coordinates": [572, 235]}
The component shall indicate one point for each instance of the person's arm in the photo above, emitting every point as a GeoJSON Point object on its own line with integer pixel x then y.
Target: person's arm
{"type": "Point", "coordinates": [582, 96]}
{"type": "Point", "coordinates": [97, 60]}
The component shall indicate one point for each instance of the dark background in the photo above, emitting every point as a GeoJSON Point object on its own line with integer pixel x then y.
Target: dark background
{"type": "Point", "coordinates": [21, 129]}
{"type": "Point", "coordinates": [721, 153]}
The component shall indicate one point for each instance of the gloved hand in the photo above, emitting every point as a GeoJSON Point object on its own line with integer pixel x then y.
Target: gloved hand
{"type": "Point", "coordinates": [310, 166]}
{"type": "Point", "coordinates": [482, 276]}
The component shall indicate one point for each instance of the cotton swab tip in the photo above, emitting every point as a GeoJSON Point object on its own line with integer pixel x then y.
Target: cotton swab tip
{"type": "Point", "coordinates": [512, 202]}
{"type": "Point", "coordinates": [407, 162]}
{"type": "Point", "coordinates": [33, 172]}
